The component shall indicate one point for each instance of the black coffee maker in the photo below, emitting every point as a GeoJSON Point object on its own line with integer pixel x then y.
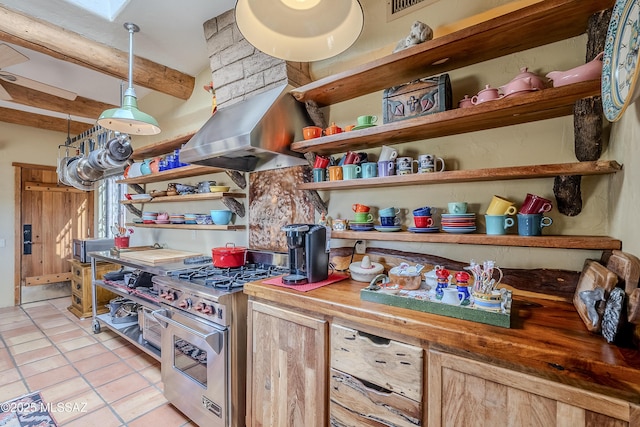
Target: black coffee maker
{"type": "Point", "coordinates": [308, 254]}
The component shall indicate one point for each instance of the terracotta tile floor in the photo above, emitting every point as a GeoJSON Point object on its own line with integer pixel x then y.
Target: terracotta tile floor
{"type": "Point", "coordinates": [43, 347]}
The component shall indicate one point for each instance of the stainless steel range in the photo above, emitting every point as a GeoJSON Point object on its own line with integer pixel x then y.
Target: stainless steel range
{"type": "Point", "coordinates": [204, 337]}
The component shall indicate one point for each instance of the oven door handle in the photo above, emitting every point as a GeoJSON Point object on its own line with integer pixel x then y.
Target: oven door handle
{"type": "Point", "coordinates": [214, 339]}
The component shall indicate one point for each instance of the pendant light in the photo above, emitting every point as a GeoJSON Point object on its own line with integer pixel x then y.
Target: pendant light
{"type": "Point", "coordinates": [300, 30]}
{"type": "Point", "coordinates": [128, 118]}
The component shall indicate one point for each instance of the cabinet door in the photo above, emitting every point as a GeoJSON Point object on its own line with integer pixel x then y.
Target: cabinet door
{"type": "Point", "coordinates": [287, 368]}
{"type": "Point", "coordinates": [464, 392]}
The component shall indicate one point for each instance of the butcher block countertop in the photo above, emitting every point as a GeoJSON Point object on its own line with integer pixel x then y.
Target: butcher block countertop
{"type": "Point", "coordinates": [547, 337]}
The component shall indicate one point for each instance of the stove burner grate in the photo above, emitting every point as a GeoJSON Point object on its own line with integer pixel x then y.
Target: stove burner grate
{"type": "Point", "coordinates": [229, 278]}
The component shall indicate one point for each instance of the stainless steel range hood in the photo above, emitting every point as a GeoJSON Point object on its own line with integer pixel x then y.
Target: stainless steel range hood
{"type": "Point", "coordinates": [252, 135]}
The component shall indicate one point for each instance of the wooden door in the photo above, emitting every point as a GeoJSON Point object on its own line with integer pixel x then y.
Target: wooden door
{"type": "Point", "coordinates": [465, 392]}
{"type": "Point", "coordinates": [53, 215]}
{"type": "Point", "coordinates": [287, 368]}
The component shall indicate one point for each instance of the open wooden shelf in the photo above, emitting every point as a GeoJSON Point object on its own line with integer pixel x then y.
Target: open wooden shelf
{"type": "Point", "coordinates": [539, 24]}
{"type": "Point", "coordinates": [189, 226]}
{"type": "Point", "coordinates": [187, 198]}
{"type": "Point", "coordinates": [528, 107]}
{"type": "Point", "coordinates": [557, 242]}
{"type": "Point", "coordinates": [161, 147]}
{"type": "Point", "coordinates": [599, 167]}
{"type": "Point", "coordinates": [183, 172]}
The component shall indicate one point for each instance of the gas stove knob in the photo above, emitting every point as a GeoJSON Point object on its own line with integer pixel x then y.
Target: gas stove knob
{"type": "Point", "coordinates": [209, 309]}
{"type": "Point", "coordinates": [170, 296]}
{"type": "Point", "coordinates": [201, 306]}
{"type": "Point", "coordinates": [185, 303]}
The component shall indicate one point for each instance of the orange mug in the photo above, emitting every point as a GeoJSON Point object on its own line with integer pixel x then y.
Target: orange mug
{"type": "Point", "coordinates": [335, 173]}
{"type": "Point", "coordinates": [357, 207]}
{"type": "Point", "coordinates": [333, 129]}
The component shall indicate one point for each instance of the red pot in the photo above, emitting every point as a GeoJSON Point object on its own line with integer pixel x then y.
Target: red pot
{"type": "Point", "coordinates": [229, 256]}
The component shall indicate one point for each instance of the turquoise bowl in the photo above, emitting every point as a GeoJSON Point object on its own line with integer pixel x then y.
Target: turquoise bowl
{"type": "Point", "coordinates": [221, 217]}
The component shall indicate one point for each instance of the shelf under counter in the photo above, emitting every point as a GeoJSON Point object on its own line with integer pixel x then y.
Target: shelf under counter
{"type": "Point", "coordinates": [600, 167]}
{"type": "Point", "coordinates": [538, 105]}
{"type": "Point", "coordinates": [544, 241]}
{"type": "Point", "coordinates": [131, 332]}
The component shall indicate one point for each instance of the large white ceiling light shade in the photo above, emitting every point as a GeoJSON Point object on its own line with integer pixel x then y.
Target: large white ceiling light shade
{"type": "Point", "coordinates": [128, 118]}
{"type": "Point", "coordinates": [300, 30]}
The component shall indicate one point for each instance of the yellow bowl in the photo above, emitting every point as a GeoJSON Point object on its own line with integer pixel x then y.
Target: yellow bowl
{"type": "Point", "coordinates": [218, 188]}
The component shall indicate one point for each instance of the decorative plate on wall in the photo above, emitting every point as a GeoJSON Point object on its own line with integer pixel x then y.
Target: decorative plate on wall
{"type": "Point", "coordinates": [620, 62]}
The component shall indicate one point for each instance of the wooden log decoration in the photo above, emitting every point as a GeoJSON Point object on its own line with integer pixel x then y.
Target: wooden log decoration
{"type": "Point", "coordinates": [315, 113]}
{"type": "Point", "coordinates": [587, 124]}
{"type": "Point", "coordinates": [311, 158]}
{"type": "Point", "coordinates": [313, 195]}
{"type": "Point", "coordinates": [567, 190]}
{"type": "Point", "coordinates": [234, 206]}
{"type": "Point", "coordinates": [237, 178]}
{"type": "Point", "coordinates": [135, 211]}
{"type": "Point", "coordinates": [137, 188]}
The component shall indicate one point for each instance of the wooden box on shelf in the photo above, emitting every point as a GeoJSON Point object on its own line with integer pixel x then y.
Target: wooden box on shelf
{"type": "Point", "coordinates": [423, 96]}
{"type": "Point", "coordinates": [81, 288]}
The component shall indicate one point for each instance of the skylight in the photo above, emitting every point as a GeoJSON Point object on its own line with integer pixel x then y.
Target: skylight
{"type": "Point", "coordinates": [107, 9]}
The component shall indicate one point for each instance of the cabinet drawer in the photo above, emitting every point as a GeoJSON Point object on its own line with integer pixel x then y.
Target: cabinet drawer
{"type": "Point", "coordinates": [355, 403]}
{"type": "Point", "coordinates": [77, 288]}
{"type": "Point", "coordinates": [389, 364]}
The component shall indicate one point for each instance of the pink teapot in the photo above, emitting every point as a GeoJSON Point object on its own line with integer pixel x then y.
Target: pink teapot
{"type": "Point", "coordinates": [526, 81]}
{"type": "Point", "coordinates": [589, 71]}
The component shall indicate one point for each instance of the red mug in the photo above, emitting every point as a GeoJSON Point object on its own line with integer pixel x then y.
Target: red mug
{"type": "Point", "coordinates": [351, 158]}
{"type": "Point", "coordinates": [423, 221]}
{"type": "Point", "coordinates": [535, 204]}
{"type": "Point", "coordinates": [321, 162]}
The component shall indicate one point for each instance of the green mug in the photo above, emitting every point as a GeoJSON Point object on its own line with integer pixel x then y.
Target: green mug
{"type": "Point", "coordinates": [363, 217]}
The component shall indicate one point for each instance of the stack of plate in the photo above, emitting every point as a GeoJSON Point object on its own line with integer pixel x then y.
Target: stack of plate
{"type": "Point", "coordinates": [190, 218]}
{"type": "Point", "coordinates": [176, 218]}
{"type": "Point", "coordinates": [458, 223]}
{"type": "Point", "coordinates": [361, 226]}
{"type": "Point", "coordinates": [149, 217]}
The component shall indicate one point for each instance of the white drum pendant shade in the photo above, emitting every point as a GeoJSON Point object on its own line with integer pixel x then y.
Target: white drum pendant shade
{"type": "Point", "coordinates": [300, 30]}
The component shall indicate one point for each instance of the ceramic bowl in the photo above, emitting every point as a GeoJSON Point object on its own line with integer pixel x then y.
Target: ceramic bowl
{"type": "Point", "coordinates": [221, 217]}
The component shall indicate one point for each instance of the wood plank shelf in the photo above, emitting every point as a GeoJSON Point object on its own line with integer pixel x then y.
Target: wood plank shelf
{"type": "Point", "coordinates": [513, 32]}
{"type": "Point", "coordinates": [183, 172]}
{"type": "Point", "coordinates": [161, 147]}
{"type": "Point", "coordinates": [556, 241]}
{"type": "Point", "coordinates": [539, 105]}
{"type": "Point", "coordinates": [187, 198]}
{"type": "Point", "coordinates": [189, 226]}
{"type": "Point", "coordinates": [599, 167]}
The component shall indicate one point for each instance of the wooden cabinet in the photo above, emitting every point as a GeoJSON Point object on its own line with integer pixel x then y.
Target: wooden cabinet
{"type": "Point", "coordinates": [374, 378]}
{"type": "Point", "coordinates": [465, 392]}
{"type": "Point", "coordinates": [81, 304]}
{"type": "Point", "coordinates": [286, 367]}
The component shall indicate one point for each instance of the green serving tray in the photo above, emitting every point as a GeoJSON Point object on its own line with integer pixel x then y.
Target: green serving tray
{"type": "Point", "coordinates": [496, 318]}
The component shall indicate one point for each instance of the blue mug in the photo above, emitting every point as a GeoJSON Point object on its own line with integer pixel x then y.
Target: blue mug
{"type": "Point", "coordinates": [424, 211]}
{"type": "Point", "coordinates": [386, 168]}
{"type": "Point", "coordinates": [532, 224]}
{"type": "Point", "coordinates": [369, 169]}
{"type": "Point", "coordinates": [389, 221]}
{"type": "Point", "coordinates": [497, 224]}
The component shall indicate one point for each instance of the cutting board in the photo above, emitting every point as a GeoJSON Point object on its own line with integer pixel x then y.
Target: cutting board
{"type": "Point", "coordinates": [158, 256]}
{"type": "Point", "coordinates": [627, 267]}
{"type": "Point", "coordinates": [593, 275]}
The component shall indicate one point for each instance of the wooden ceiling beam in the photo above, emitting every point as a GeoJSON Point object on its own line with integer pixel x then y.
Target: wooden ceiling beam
{"type": "Point", "coordinates": [81, 107]}
{"type": "Point", "coordinates": [66, 45]}
{"type": "Point", "coordinates": [42, 122]}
